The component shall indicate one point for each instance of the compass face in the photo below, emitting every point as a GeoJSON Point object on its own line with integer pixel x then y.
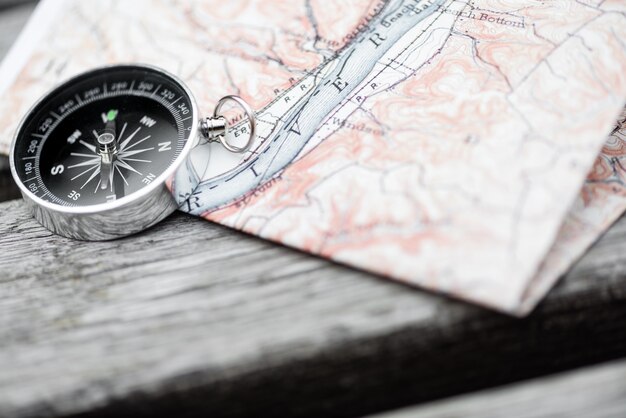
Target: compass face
{"type": "Point", "coordinates": [103, 136]}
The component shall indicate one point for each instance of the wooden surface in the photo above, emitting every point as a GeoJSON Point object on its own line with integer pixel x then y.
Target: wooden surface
{"type": "Point", "coordinates": [598, 391]}
{"type": "Point", "coordinates": [192, 319]}
{"type": "Point", "coordinates": [8, 189]}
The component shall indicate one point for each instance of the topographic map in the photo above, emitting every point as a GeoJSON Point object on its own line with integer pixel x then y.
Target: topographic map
{"type": "Point", "coordinates": [440, 143]}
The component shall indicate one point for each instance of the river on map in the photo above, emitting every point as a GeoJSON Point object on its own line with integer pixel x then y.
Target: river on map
{"type": "Point", "coordinates": [353, 65]}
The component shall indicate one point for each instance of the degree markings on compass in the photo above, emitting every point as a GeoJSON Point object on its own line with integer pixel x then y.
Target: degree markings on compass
{"type": "Point", "coordinates": [91, 147]}
{"type": "Point", "coordinates": [30, 179]}
{"type": "Point", "coordinates": [89, 161]}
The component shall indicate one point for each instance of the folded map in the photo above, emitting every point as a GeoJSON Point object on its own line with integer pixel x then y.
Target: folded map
{"type": "Point", "coordinates": [455, 145]}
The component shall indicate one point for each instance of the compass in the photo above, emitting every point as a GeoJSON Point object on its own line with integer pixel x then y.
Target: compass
{"type": "Point", "coordinates": [96, 157]}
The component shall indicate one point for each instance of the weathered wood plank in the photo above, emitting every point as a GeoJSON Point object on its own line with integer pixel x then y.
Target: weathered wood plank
{"type": "Point", "coordinates": [598, 391]}
{"type": "Point", "coordinates": [193, 318]}
{"type": "Point", "coordinates": [8, 189]}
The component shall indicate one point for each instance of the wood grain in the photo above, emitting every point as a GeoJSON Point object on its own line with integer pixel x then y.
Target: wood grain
{"type": "Point", "coordinates": [191, 318]}
{"type": "Point", "coordinates": [8, 188]}
{"type": "Point", "coordinates": [598, 391]}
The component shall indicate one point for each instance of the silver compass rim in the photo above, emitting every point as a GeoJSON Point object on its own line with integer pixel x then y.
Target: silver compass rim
{"type": "Point", "coordinates": [191, 141]}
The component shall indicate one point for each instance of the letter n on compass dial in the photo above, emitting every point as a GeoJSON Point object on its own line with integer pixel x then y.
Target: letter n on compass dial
{"type": "Point", "coordinates": [103, 137]}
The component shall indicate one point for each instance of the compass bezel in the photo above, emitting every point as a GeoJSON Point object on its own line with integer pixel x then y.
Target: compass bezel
{"type": "Point", "coordinates": [191, 139]}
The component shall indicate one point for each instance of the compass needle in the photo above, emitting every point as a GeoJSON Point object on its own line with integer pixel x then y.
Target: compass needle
{"type": "Point", "coordinates": [105, 173]}
{"type": "Point", "coordinates": [130, 137]}
{"type": "Point", "coordinates": [111, 178]}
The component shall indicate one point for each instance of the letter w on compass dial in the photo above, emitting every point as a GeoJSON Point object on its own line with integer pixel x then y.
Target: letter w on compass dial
{"type": "Point", "coordinates": [103, 139]}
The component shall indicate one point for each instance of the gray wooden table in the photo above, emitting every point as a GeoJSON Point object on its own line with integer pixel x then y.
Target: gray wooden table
{"type": "Point", "coordinates": [193, 319]}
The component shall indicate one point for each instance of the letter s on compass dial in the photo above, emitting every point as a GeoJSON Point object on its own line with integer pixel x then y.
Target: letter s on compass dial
{"type": "Point", "coordinates": [105, 140]}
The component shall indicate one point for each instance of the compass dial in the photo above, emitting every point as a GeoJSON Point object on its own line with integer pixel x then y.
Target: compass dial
{"type": "Point", "coordinates": [103, 136]}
